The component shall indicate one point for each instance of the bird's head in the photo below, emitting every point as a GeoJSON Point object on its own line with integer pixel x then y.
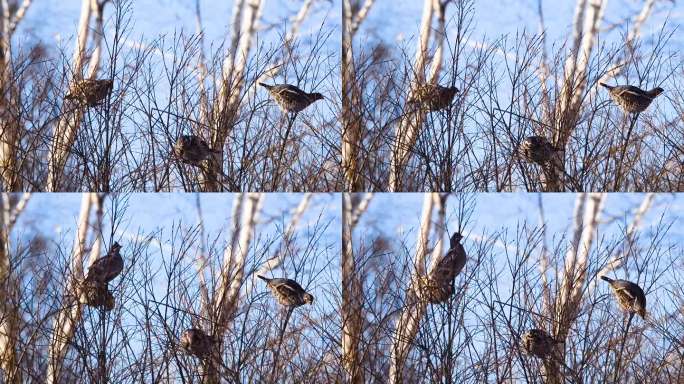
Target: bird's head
{"type": "Point", "coordinates": [116, 247]}
{"type": "Point", "coordinates": [308, 298]}
{"type": "Point", "coordinates": [316, 96]}
{"type": "Point", "coordinates": [656, 91]}
{"type": "Point", "coordinates": [453, 91]}
{"type": "Point", "coordinates": [456, 239]}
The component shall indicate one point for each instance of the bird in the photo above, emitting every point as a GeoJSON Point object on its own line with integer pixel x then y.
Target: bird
{"type": "Point", "coordinates": [96, 295]}
{"type": "Point", "coordinates": [106, 268]}
{"type": "Point", "coordinates": [196, 342]}
{"type": "Point", "coordinates": [630, 98]}
{"type": "Point", "coordinates": [291, 98]}
{"type": "Point", "coordinates": [438, 286]}
{"type": "Point", "coordinates": [193, 150]}
{"type": "Point", "coordinates": [536, 149]}
{"type": "Point", "coordinates": [630, 296]}
{"type": "Point", "coordinates": [434, 290]}
{"type": "Point", "coordinates": [288, 292]}
{"type": "Point", "coordinates": [433, 97]}
{"type": "Point", "coordinates": [90, 92]}
{"type": "Point", "coordinates": [538, 343]}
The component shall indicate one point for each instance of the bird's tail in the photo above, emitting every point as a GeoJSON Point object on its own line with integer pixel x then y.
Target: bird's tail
{"type": "Point", "coordinates": [608, 279]}
{"type": "Point", "coordinates": [263, 278]}
{"type": "Point", "coordinates": [605, 85]}
{"type": "Point", "coordinates": [266, 85]}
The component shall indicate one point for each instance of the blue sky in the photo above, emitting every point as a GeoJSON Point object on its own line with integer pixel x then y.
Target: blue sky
{"type": "Point", "coordinates": [499, 17]}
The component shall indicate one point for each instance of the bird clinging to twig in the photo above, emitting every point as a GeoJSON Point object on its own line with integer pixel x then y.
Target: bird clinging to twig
{"type": "Point", "coordinates": [106, 268]}
{"type": "Point", "coordinates": [291, 98]}
{"type": "Point", "coordinates": [538, 343]}
{"type": "Point", "coordinates": [288, 292]}
{"type": "Point", "coordinates": [196, 342]}
{"type": "Point", "coordinates": [433, 97]}
{"type": "Point", "coordinates": [193, 150]}
{"type": "Point", "coordinates": [536, 149]}
{"type": "Point", "coordinates": [630, 98]}
{"type": "Point", "coordinates": [439, 285]}
{"type": "Point", "coordinates": [90, 92]}
{"type": "Point", "coordinates": [630, 296]}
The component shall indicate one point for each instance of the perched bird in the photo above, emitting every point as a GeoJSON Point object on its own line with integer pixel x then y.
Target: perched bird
{"type": "Point", "coordinates": [439, 285]}
{"type": "Point", "coordinates": [434, 290]}
{"type": "Point", "coordinates": [106, 268]}
{"type": "Point", "coordinates": [538, 343]}
{"type": "Point", "coordinates": [630, 296]}
{"type": "Point", "coordinates": [291, 98]}
{"type": "Point", "coordinates": [193, 150]}
{"type": "Point", "coordinates": [288, 292]}
{"type": "Point", "coordinates": [196, 342]}
{"type": "Point", "coordinates": [90, 92]}
{"type": "Point", "coordinates": [433, 97]}
{"type": "Point", "coordinates": [94, 294]}
{"type": "Point", "coordinates": [630, 98]}
{"type": "Point", "coordinates": [536, 149]}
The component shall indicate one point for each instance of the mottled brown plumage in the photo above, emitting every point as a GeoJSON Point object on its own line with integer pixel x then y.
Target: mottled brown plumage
{"type": "Point", "coordinates": [195, 342]}
{"type": "Point", "coordinates": [630, 296]}
{"type": "Point", "coordinates": [97, 295]}
{"type": "Point", "coordinates": [433, 97]}
{"type": "Point", "coordinates": [630, 98]}
{"type": "Point", "coordinates": [291, 98]}
{"type": "Point", "coordinates": [538, 343]}
{"type": "Point", "coordinates": [536, 149]}
{"type": "Point", "coordinates": [191, 149]}
{"type": "Point", "coordinates": [438, 286]}
{"type": "Point", "coordinates": [288, 292]}
{"type": "Point", "coordinates": [106, 268]}
{"type": "Point", "coordinates": [90, 92]}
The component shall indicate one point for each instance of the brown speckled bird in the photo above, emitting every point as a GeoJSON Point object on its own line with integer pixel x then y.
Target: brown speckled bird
{"type": "Point", "coordinates": [630, 296]}
{"type": "Point", "coordinates": [536, 149]}
{"type": "Point", "coordinates": [288, 292]}
{"type": "Point", "coordinates": [538, 343]}
{"type": "Point", "coordinates": [195, 342]}
{"type": "Point", "coordinates": [106, 268]}
{"type": "Point", "coordinates": [632, 99]}
{"type": "Point", "coordinates": [90, 92]}
{"type": "Point", "coordinates": [433, 97]}
{"type": "Point", "coordinates": [97, 295]}
{"type": "Point", "coordinates": [435, 291]}
{"type": "Point", "coordinates": [291, 98]}
{"type": "Point", "coordinates": [191, 149]}
{"type": "Point", "coordinates": [439, 285]}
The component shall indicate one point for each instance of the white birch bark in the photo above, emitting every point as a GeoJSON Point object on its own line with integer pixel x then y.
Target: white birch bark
{"type": "Point", "coordinates": [409, 126]}
{"type": "Point", "coordinates": [414, 309]}
{"type": "Point", "coordinates": [68, 317]}
{"type": "Point", "coordinates": [65, 130]}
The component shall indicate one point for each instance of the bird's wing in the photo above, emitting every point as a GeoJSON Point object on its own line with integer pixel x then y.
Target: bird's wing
{"type": "Point", "coordinates": [625, 291]}
{"type": "Point", "coordinates": [630, 90]}
{"type": "Point", "coordinates": [290, 287]}
{"type": "Point", "coordinates": [290, 90]}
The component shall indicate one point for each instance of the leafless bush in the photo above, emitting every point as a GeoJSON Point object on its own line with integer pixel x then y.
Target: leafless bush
{"type": "Point", "coordinates": [512, 87]}
{"type": "Point", "coordinates": [163, 89]}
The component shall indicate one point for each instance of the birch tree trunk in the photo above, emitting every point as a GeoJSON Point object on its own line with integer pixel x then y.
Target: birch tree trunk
{"type": "Point", "coordinates": [10, 318]}
{"type": "Point", "coordinates": [10, 135]}
{"type": "Point", "coordinates": [69, 316]}
{"type": "Point", "coordinates": [409, 126]}
{"type": "Point", "coordinates": [246, 209]}
{"type": "Point", "coordinates": [352, 102]}
{"type": "Point", "coordinates": [588, 209]}
{"type": "Point", "coordinates": [67, 126]}
{"type": "Point", "coordinates": [414, 308]}
{"type": "Point", "coordinates": [352, 298]}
